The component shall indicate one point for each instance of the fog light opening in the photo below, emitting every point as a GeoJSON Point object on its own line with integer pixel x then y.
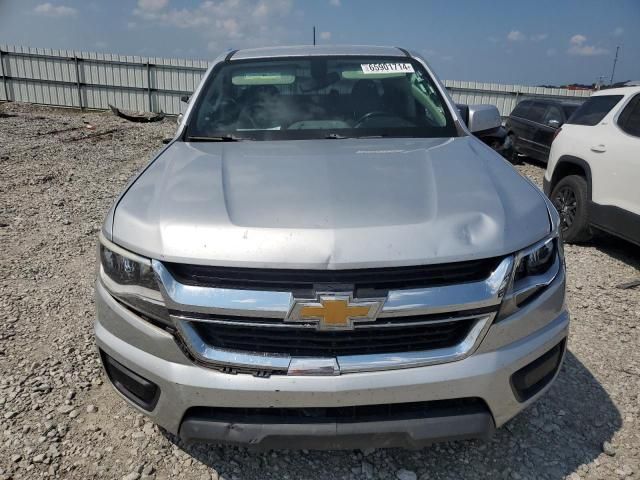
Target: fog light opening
{"type": "Point", "coordinates": [533, 377]}
{"type": "Point", "coordinates": [139, 390]}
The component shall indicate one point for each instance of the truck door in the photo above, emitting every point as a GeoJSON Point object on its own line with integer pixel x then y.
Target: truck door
{"type": "Point", "coordinates": [534, 122]}
{"type": "Point", "coordinates": [621, 145]}
{"type": "Point", "coordinates": [552, 120]}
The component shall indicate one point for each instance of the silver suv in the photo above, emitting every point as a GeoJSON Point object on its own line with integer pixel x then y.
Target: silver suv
{"type": "Point", "coordinates": [325, 257]}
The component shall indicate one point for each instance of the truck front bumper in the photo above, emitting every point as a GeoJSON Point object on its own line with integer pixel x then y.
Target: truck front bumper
{"type": "Point", "coordinates": [409, 407]}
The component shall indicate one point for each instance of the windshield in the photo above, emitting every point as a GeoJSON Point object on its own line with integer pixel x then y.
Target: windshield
{"type": "Point", "coordinates": [569, 109]}
{"type": "Point", "coordinates": [319, 97]}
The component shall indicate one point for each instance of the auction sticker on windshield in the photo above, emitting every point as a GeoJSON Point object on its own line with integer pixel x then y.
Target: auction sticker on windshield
{"type": "Point", "coordinates": [386, 68]}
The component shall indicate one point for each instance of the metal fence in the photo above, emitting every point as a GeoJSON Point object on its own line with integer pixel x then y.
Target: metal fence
{"type": "Point", "coordinates": [506, 97]}
{"type": "Point", "coordinates": [95, 80]}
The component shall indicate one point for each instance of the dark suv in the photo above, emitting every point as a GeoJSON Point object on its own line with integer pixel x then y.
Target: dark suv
{"type": "Point", "coordinates": [533, 124]}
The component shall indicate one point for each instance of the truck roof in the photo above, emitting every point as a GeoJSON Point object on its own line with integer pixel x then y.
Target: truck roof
{"type": "Point", "coordinates": [556, 101]}
{"type": "Point", "coordinates": [618, 91]}
{"type": "Point", "coordinates": [318, 50]}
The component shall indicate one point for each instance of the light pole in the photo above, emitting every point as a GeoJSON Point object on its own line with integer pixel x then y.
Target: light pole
{"type": "Point", "coordinates": [613, 70]}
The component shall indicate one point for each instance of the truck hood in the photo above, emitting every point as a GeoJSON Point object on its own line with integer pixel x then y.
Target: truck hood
{"type": "Point", "coordinates": [329, 204]}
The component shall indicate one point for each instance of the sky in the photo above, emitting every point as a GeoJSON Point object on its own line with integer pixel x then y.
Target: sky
{"type": "Point", "coordinates": [531, 42]}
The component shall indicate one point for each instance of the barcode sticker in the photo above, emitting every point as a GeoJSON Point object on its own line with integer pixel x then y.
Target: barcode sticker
{"type": "Point", "coordinates": [369, 68]}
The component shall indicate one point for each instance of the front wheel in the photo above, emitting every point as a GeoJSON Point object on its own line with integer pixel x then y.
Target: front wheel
{"type": "Point", "coordinates": [510, 153]}
{"type": "Point", "coordinates": [569, 197]}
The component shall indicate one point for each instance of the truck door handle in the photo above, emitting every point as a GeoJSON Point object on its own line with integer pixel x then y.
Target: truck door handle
{"type": "Point", "coordinates": [599, 148]}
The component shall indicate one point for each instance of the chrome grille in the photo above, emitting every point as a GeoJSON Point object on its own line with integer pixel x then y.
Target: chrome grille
{"type": "Point", "coordinates": [365, 281]}
{"type": "Point", "coordinates": [408, 337]}
{"type": "Point", "coordinates": [249, 330]}
{"type": "Point", "coordinates": [381, 322]}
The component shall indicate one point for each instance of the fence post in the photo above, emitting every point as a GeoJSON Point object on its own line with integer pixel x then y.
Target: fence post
{"type": "Point", "coordinates": [75, 60]}
{"type": "Point", "coordinates": [149, 85]}
{"type": "Point", "coordinates": [4, 79]}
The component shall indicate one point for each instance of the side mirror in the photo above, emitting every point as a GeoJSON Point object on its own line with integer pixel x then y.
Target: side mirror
{"type": "Point", "coordinates": [553, 123]}
{"type": "Point", "coordinates": [185, 98]}
{"type": "Point", "coordinates": [483, 118]}
{"type": "Point", "coordinates": [179, 118]}
{"type": "Point", "coordinates": [464, 112]}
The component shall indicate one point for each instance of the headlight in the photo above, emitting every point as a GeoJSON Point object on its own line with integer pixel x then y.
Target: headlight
{"type": "Point", "coordinates": [126, 271]}
{"type": "Point", "coordinates": [131, 280]}
{"type": "Point", "coordinates": [537, 260]}
{"type": "Point", "coordinates": [535, 268]}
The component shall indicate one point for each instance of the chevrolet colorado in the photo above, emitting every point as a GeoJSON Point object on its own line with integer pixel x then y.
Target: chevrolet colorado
{"type": "Point", "coordinates": [325, 257]}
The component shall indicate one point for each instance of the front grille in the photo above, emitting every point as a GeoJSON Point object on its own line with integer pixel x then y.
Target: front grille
{"type": "Point", "coordinates": [347, 414]}
{"type": "Point", "coordinates": [380, 322]}
{"type": "Point", "coordinates": [366, 282]}
{"type": "Point", "coordinates": [304, 342]}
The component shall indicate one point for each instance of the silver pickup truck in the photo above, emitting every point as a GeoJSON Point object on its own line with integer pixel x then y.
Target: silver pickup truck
{"type": "Point", "coordinates": [326, 257]}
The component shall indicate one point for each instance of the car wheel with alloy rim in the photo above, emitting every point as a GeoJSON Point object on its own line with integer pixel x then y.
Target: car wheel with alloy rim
{"type": "Point", "coordinates": [569, 196]}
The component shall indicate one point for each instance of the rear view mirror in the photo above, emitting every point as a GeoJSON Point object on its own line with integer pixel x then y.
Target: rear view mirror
{"type": "Point", "coordinates": [185, 98]}
{"type": "Point", "coordinates": [483, 117]}
{"type": "Point", "coordinates": [553, 123]}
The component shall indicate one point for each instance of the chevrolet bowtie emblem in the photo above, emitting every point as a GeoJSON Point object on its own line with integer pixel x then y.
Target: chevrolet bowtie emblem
{"type": "Point", "coordinates": [334, 311]}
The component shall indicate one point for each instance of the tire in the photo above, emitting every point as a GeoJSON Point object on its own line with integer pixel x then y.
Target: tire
{"type": "Point", "coordinates": [570, 198]}
{"type": "Point", "coordinates": [512, 154]}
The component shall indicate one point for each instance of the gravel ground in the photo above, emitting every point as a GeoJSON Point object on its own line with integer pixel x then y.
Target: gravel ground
{"type": "Point", "coordinates": [60, 418]}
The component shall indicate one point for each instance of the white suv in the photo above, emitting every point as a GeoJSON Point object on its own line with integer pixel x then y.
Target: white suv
{"type": "Point", "coordinates": [593, 174]}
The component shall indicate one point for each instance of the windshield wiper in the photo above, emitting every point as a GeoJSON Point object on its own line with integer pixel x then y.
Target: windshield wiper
{"type": "Point", "coordinates": [218, 138]}
{"type": "Point", "coordinates": [335, 136]}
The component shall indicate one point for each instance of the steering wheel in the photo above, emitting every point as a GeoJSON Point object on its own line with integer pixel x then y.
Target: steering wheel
{"type": "Point", "coordinates": [225, 103]}
{"type": "Point", "coordinates": [213, 111]}
{"type": "Point", "coordinates": [245, 116]}
{"type": "Point", "coordinates": [368, 116]}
